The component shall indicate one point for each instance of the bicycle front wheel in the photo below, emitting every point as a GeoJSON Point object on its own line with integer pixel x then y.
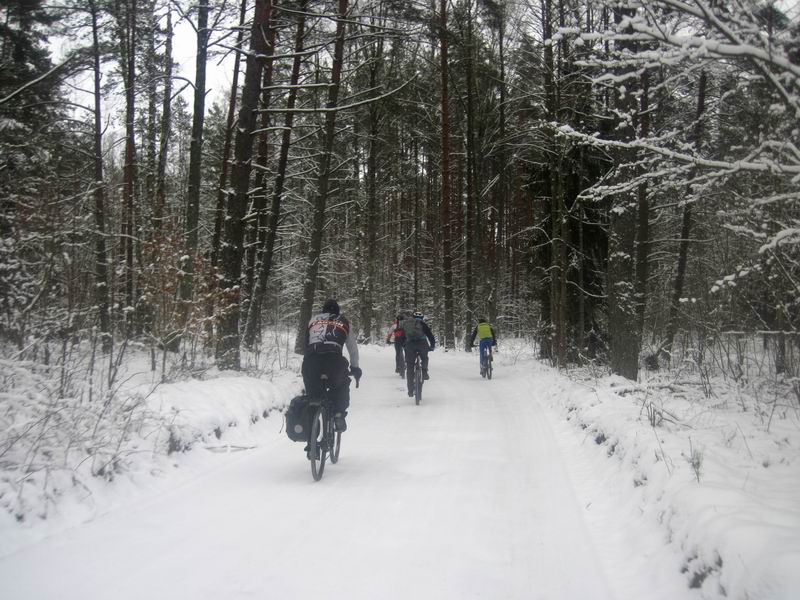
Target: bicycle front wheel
{"type": "Point", "coordinates": [318, 444]}
{"type": "Point", "coordinates": [489, 367]}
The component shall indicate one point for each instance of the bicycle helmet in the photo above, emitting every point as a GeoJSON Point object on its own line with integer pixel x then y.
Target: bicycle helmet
{"type": "Point", "coordinates": [331, 306]}
{"type": "Point", "coordinates": [418, 314]}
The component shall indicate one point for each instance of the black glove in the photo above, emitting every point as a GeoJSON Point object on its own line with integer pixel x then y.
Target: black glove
{"type": "Point", "coordinates": [432, 349]}
{"type": "Point", "coordinates": [356, 372]}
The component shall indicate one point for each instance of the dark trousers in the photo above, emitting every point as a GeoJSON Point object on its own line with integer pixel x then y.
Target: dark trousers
{"type": "Point", "coordinates": [412, 349]}
{"type": "Point", "coordinates": [336, 367]}
{"type": "Point", "coordinates": [399, 361]}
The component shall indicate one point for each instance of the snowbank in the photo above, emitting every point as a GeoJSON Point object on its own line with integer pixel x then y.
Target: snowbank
{"type": "Point", "coordinates": [70, 451]}
{"type": "Point", "coordinates": [712, 462]}
{"type": "Point", "coordinates": [205, 411]}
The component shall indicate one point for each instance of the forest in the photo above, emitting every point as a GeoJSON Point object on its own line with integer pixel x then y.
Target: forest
{"type": "Point", "coordinates": [616, 181]}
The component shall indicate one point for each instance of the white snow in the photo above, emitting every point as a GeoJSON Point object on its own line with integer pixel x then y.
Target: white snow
{"type": "Point", "coordinates": [531, 485]}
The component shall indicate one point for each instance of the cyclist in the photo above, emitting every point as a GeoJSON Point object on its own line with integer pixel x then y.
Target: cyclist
{"type": "Point", "coordinates": [485, 333]}
{"type": "Point", "coordinates": [395, 335]}
{"type": "Point", "coordinates": [419, 340]}
{"type": "Point", "coordinates": [328, 332]}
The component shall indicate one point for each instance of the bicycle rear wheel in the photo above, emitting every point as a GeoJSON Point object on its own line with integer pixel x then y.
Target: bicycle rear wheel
{"type": "Point", "coordinates": [489, 367]}
{"type": "Point", "coordinates": [318, 444]}
{"type": "Point", "coordinates": [418, 385]}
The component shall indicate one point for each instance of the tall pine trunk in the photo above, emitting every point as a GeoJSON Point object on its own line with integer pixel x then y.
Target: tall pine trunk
{"type": "Point", "coordinates": [228, 342]}
{"type": "Point", "coordinates": [447, 258]}
{"type": "Point", "coordinates": [126, 22]}
{"type": "Point", "coordinates": [257, 235]}
{"type": "Point", "coordinates": [686, 225]}
{"type": "Point", "coordinates": [219, 211]}
{"type": "Point", "coordinates": [100, 255]}
{"type": "Point", "coordinates": [160, 199]}
{"type": "Point", "coordinates": [323, 184]}
{"type": "Point", "coordinates": [643, 228]}
{"type": "Point", "coordinates": [621, 239]}
{"type": "Point", "coordinates": [195, 165]}
{"type": "Point", "coordinates": [265, 266]}
{"type": "Point", "coordinates": [472, 234]}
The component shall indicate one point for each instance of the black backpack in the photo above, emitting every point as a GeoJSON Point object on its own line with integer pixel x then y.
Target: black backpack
{"type": "Point", "coordinates": [413, 330]}
{"type": "Point", "coordinates": [299, 416]}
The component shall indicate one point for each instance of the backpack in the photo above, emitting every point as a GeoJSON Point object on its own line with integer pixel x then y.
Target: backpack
{"type": "Point", "coordinates": [413, 330]}
{"type": "Point", "coordinates": [299, 416]}
{"type": "Point", "coordinates": [326, 328]}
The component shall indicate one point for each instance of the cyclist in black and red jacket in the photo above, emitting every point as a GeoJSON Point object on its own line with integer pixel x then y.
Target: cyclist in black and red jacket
{"type": "Point", "coordinates": [395, 335]}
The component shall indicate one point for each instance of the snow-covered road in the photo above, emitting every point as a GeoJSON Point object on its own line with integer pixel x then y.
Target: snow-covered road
{"type": "Point", "coordinates": [476, 493]}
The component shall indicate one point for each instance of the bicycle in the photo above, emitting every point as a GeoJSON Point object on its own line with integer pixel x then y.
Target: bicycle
{"type": "Point", "coordinates": [323, 439]}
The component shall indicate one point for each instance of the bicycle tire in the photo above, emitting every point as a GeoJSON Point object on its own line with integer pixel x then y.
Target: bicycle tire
{"type": "Point", "coordinates": [335, 440]}
{"type": "Point", "coordinates": [489, 367]}
{"type": "Point", "coordinates": [318, 442]}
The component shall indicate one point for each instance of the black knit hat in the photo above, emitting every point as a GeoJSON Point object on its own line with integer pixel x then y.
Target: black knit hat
{"type": "Point", "coordinates": [331, 306]}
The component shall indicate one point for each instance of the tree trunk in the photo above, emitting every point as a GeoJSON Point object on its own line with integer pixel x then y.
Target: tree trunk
{"type": "Point", "coordinates": [447, 259]}
{"type": "Point", "coordinates": [547, 240]}
{"type": "Point", "coordinates": [228, 343]}
{"type": "Point", "coordinates": [219, 212]}
{"type": "Point", "coordinates": [152, 110]}
{"type": "Point", "coordinates": [472, 234]}
{"type": "Point", "coordinates": [127, 28]}
{"type": "Point", "coordinates": [323, 182]}
{"type": "Point", "coordinates": [257, 235]}
{"type": "Point", "coordinates": [160, 199]}
{"type": "Point", "coordinates": [265, 266]}
{"type": "Point", "coordinates": [195, 165]}
{"type": "Point", "coordinates": [501, 250]}
{"type": "Point", "coordinates": [100, 256]}
{"type": "Point", "coordinates": [686, 225]}
{"type": "Point", "coordinates": [643, 228]}
{"type": "Point", "coordinates": [373, 149]}
{"type": "Point", "coordinates": [621, 251]}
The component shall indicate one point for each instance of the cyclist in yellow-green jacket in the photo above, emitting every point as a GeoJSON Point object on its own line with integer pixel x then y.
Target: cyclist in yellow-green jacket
{"type": "Point", "coordinates": [485, 333]}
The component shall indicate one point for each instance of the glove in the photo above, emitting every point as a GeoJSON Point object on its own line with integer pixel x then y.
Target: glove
{"type": "Point", "coordinates": [432, 349]}
{"type": "Point", "coordinates": [356, 372]}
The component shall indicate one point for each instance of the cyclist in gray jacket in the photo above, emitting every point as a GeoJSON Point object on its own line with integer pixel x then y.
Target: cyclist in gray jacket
{"type": "Point", "coordinates": [327, 334]}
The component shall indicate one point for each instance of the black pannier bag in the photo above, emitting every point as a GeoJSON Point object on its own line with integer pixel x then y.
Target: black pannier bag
{"type": "Point", "coordinates": [299, 416]}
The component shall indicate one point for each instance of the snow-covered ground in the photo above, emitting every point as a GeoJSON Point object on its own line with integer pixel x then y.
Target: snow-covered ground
{"type": "Point", "coordinates": [527, 486]}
